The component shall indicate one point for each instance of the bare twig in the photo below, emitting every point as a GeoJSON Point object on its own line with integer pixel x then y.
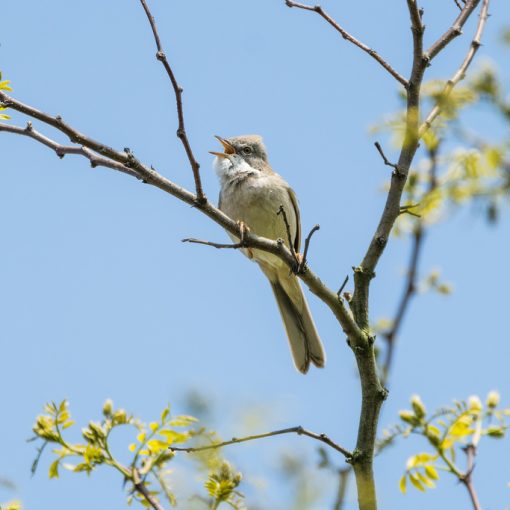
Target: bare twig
{"type": "Point", "coordinates": [62, 150]}
{"type": "Point", "coordinates": [281, 210]}
{"type": "Point", "coordinates": [178, 90]}
{"type": "Point", "coordinates": [292, 430]}
{"type": "Point", "coordinates": [348, 37]}
{"type": "Point", "coordinates": [385, 159]}
{"type": "Point", "coordinates": [342, 287]}
{"type": "Point", "coordinates": [140, 487]}
{"type": "Point", "coordinates": [410, 285]}
{"type": "Point", "coordinates": [467, 479]}
{"type": "Point", "coordinates": [235, 246]}
{"type": "Point", "coordinates": [455, 30]}
{"type": "Point", "coordinates": [302, 264]}
{"type": "Point", "coordinates": [461, 71]}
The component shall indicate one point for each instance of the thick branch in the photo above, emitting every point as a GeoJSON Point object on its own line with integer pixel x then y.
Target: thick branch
{"type": "Point", "coordinates": [292, 430]}
{"type": "Point", "coordinates": [178, 90]}
{"type": "Point", "coordinates": [455, 30]}
{"type": "Point", "coordinates": [151, 176]}
{"type": "Point", "coordinates": [461, 71]}
{"type": "Point", "coordinates": [348, 37]}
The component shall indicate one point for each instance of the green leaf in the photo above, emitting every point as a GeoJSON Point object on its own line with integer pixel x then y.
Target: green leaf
{"type": "Point", "coordinates": [416, 482]}
{"type": "Point", "coordinates": [403, 484]}
{"type": "Point", "coordinates": [182, 421]}
{"type": "Point", "coordinates": [53, 470]}
{"type": "Point", "coordinates": [431, 472]}
{"type": "Point", "coordinates": [173, 437]}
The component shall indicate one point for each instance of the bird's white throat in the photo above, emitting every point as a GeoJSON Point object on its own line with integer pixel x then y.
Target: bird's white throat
{"type": "Point", "coordinates": [231, 166]}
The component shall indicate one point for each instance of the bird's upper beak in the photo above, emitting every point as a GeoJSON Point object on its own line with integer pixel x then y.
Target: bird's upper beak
{"type": "Point", "coordinates": [228, 147]}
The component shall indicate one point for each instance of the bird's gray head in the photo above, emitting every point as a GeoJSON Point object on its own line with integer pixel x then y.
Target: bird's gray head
{"type": "Point", "coordinates": [248, 147]}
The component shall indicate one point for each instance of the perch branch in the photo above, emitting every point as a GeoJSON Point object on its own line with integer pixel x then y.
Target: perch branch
{"type": "Point", "coordinates": [348, 37]}
{"type": "Point", "coordinates": [292, 430]}
{"type": "Point", "coordinates": [150, 176]}
{"type": "Point", "coordinates": [178, 90]}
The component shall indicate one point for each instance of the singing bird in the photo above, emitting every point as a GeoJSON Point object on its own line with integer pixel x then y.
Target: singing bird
{"type": "Point", "coordinates": [251, 194]}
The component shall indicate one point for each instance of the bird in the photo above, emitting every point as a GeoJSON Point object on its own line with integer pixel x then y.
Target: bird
{"type": "Point", "coordinates": [252, 194]}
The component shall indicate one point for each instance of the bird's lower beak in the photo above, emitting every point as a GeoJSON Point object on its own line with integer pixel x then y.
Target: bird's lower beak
{"type": "Point", "coordinates": [228, 147]}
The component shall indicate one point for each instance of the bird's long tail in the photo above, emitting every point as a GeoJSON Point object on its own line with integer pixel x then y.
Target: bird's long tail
{"type": "Point", "coordinates": [304, 341]}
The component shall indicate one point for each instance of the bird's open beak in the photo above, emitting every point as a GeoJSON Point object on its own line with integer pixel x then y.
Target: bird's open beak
{"type": "Point", "coordinates": [229, 148]}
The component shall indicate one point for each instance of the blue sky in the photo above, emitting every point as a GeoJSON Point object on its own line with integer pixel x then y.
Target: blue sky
{"type": "Point", "coordinates": [100, 299]}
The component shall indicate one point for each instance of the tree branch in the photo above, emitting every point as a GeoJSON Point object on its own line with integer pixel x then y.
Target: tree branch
{"type": "Point", "coordinates": [348, 37]}
{"type": "Point", "coordinates": [150, 176]}
{"type": "Point", "coordinates": [300, 431]}
{"type": "Point", "coordinates": [461, 71]}
{"type": "Point", "coordinates": [140, 487]}
{"type": "Point", "coordinates": [178, 90]}
{"type": "Point", "coordinates": [467, 479]}
{"type": "Point", "coordinates": [454, 31]}
{"type": "Point", "coordinates": [412, 275]}
{"type": "Point", "coordinates": [62, 150]}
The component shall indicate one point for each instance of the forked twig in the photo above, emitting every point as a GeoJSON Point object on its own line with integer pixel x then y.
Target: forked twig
{"type": "Point", "coordinates": [348, 37]}
{"type": "Point", "coordinates": [292, 430]}
{"type": "Point", "coordinates": [178, 90]}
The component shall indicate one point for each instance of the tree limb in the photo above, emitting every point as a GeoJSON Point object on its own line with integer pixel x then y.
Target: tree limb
{"type": "Point", "coordinates": [140, 487]}
{"type": "Point", "coordinates": [150, 176]}
{"type": "Point", "coordinates": [62, 150]}
{"type": "Point", "coordinates": [467, 479]}
{"type": "Point", "coordinates": [292, 430]}
{"type": "Point", "coordinates": [461, 71]}
{"type": "Point", "coordinates": [178, 90]}
{"type": "Point", "coordinates": [348, 37]}
{"type": "Point", "coordinates": [454, 31]}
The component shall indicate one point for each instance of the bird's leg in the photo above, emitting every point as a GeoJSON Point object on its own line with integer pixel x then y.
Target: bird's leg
{"type": "Point", "coordinates": [244, 229]}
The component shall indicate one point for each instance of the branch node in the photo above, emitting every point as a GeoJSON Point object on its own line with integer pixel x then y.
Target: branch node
{"type": "Point", "coordinates": [29, 128]}
{"type": "Point", "coordinates": [160, 55]}
{"type": "Point", "coordinates": [383, 393]}
{"type": "Point", "coordinates": [381, 241]}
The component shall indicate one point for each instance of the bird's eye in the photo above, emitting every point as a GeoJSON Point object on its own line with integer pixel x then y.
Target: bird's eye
{"type": "Point", "coordinates": [247, 150]}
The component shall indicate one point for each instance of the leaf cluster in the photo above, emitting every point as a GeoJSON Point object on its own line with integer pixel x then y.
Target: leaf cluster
{"type": "Point", "coordinates": [146, 474]}
{"type": "Point", "coordinates": [448, 431]}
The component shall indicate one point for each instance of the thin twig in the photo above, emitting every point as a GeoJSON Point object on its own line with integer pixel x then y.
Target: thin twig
{"type": "Point", "coordinates": [461, 71]}
{"type": "Point", "coordinates": [302, 264]}
{"type": "Point", "coordinates": [292, 430]}
{"type": "Point", "coordinates": [342, 287]}
{"type": "Point", "coordinates": [62, 150]}
{"type": "Point", "coordinates": [411, 283]}
{"type": "Point", "coordinates": [140, 487]}
{"type": "Point", "coordinates": [348, 37]}
{"type": "Point", "coordinates": [281, 210]}
{"type": "Point", "coordinates": [467, 479]}
{"type": "Point", "coordinates": [454, 31]}
{"type": "Point", "coordinates": [385, 159]}
{"type": "Point", "coordinates": [178, 90]}
{"type": "Point", "coordinates": [235, 246]}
